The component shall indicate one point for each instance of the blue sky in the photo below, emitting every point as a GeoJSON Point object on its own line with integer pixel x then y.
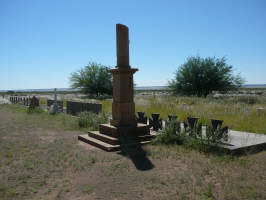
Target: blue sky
{"type": "Point", "coordinates": [42, 42]}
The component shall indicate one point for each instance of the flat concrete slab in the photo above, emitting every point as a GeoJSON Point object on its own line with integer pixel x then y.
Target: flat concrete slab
{"type": "Point", "coordinates": [240, 140]}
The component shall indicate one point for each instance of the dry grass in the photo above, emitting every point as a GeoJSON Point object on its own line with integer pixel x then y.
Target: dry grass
{"type": "Point", "coordinates": [239, 113]}
{"type": "Point", "coordinates": [41, 158]}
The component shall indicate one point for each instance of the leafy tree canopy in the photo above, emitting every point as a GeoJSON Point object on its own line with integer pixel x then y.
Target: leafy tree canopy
{"type": "Point", "coordinates": [200, 76]}
{"type": "Point", "coordinates": [93, 79]}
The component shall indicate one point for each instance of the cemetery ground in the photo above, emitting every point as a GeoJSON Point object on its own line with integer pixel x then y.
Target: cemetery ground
{"type": "Point", "coordinates": [41, 158]}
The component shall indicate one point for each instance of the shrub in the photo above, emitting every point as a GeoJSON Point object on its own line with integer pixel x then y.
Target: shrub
{"type": "Point", "coordinates": [92, 120]}
{"type": "Point", "coordinates": [93, 79]}
{"type": "Point", "coordinates": [34, 110]}
{"type": "Point", "coordinates": [198, 76]}
{"type": "Point", "coordinates": [216, 136]}
{"type": "Point", "coordinates": [171, 134]}
{"type": "Point", "coordinates": [10, 92]}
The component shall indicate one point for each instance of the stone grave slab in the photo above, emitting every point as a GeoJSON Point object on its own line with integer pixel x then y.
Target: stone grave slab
{"type": "Point", "coordinates": [238, 140]}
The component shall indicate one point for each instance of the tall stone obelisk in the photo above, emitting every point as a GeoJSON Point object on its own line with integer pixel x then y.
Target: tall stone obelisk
{"type": "Point", "coordinates": [123, 123]}
{"type": "Point", "coordinates": [122, 46]}
{"type": "Point", "coordinates": [123, 107]}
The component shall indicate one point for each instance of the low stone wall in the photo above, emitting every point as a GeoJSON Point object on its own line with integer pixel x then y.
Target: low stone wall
{"type": "Point", "coordinates": [74, 108]}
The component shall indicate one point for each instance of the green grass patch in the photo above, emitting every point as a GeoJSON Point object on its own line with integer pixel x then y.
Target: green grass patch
{"type": "Point", "coordinates": [92, 120]}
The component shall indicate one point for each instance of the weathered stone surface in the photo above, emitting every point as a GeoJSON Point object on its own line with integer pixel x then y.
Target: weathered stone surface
{"type": "Point", "coordinates": [238, 140]}
{"type": "Point", "coordinates": [53, 109]}
{"type": "Point", "coordinates": [103, 137]}
{"type": "Point", "coordinates": [123, 107]}
{"type": "Point", "coordinates": [59, 104]}
{"type": "Point", "coordinates": [98, 143]}
{"type": "Point", "coordinates": [128, 142]}
{"type": "Point", "coordinates": [122, 46]}
{"type": "Point", "coordinates": [140, 129]}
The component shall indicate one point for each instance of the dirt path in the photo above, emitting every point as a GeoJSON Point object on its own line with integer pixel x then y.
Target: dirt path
{"type": "Point", "coordinates": [5, 116]}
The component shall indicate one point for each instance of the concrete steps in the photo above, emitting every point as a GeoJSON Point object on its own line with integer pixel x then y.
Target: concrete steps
{"type": "Point", "coordinates": [98, 143]}
{"type": "Point", "coordinates": [111, 138]}
{"type": "Point", "coordinates": [102, 137]}
{"type": "Point", "coordinates": [115, 141]}
{"type": "Point", "coordinates": [108, 143]}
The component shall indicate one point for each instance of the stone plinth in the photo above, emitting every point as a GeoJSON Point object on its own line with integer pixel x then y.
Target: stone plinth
{"type": "Point", "coordinates": [123, 107]}
{"type": "Point", "coordinates": [138, 130]}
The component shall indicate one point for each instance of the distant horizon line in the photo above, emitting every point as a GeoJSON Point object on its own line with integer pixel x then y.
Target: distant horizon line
{"type": "Point", "coordinates": [137, 88]}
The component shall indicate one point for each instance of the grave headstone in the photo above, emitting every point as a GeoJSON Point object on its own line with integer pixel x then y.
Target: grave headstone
{"type": "Point", "coordinates": [216, 123]}
{"type": "Point", "coordinates": [34, 103]}
{"type": "Point", "coordinates": [216, 132]}
{"type": "Point", "coordinates": [54, 109]}
{"type": "Point", "coordinates": [142, 118]}
{"type": "Point", "coordinates": [195, 129]}
{"type": "Point", "coordinates": [155, 122]}
{"type": "Point", "coordinates": [170, 118]}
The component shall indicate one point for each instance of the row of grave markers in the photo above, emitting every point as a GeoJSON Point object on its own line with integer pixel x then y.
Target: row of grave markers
{"type": "Point", "coordinates": [16, 99]}
{"type": "Point", "coordinates": [73, 108]}
{"type": "Point", "coordinates": [191, 124]}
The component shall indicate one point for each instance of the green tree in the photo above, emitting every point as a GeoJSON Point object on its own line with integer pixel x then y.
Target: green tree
{"type": "Point", "coordinates": [93, 79]}
{"type": "Point", "coordinates": [200, 76]}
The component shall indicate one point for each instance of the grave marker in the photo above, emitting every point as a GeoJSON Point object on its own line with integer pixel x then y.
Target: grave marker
{"type": "Point", "coordinates": [123, 124]}
{"type": "Point", "coordinates": [34, 102]}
